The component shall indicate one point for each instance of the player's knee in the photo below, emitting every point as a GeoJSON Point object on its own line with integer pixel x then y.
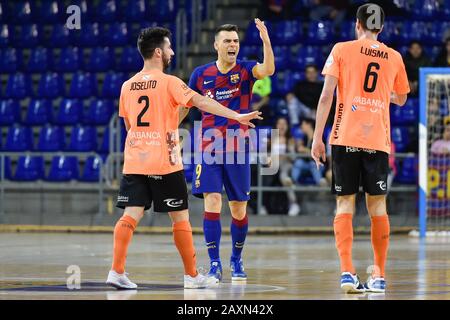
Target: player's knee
{"type": "Point", "coordinates": [345, 204]}
{"type": "Point", "coordinates": [213, 202]}
{"type": "Point", "coordinates": [135, 212]}
{"type": "Point", "coordinates": [178, 216]}
{"type": "Point", "coordinates": [376, 205]}
{"type": "Point", "coordinates": [238, 209]}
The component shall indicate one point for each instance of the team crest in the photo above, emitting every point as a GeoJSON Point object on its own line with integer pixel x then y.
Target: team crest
{"type": "Point", "coordinates": [234, 78]}
{"type": "Point", "coordinates": [197, 183]}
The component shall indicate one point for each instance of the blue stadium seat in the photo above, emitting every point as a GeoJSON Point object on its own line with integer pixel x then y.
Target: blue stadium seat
{"type": "Point", "coordinates": [63, 169]}
{"type": "Point", "coordinates": [287, 32]}
{"type": "Point", "coordinates": [291, 78]}
{"type": "Point", "coordinates": [436, 32]}
{"type": "Point", "coordinates": [320, 32]}
{"type": "Point", "coordinates": [134, 29]}
{"type": "Point", "coordinates": [130, 60]}
{"type": "Point", "coordinates": [40, 60]}
{"type": "Point", "coordinates": [104, 145]}
{"type": "Point", "coordinates": [51, 85]}
{"type": "Point", "coordinates": [101, 59]}
{"type": "Point", "coordinates": [10, 60]}
{"type": "Point", "coordinates": [99, 112]}
{"type": "Point", "coordinates": [413, 30]}
{"type": "Point", "coordinates": [39, 112]}
{"type": "Point", "coordinates": [7, 168]}
{"type": "Point", "coordinates": [91, 172]}
{"type": "Point", "coordinates": [88, 36]}
{"type": "Point", "coordinates": [51, 138]}
{"type": "Point", "coordinates": [390, 32]}
{"type": "Point", "coordinates": [9, 112]}
{"type": "Point", "coordinates": [5, 35]}
{"type": "Point", "coordinates": [252, 34]}
{"type": "Point", "coordinates": [59, 36]}
{"type": "Point", "coordinates": [163, 11]}
{"type": "Point", "coordinates": [19, 138]}
{"type": "Point", "coordinates": [29, 168]}
{"type": "Point", "coordinates": [83, 139]}
{"type": "Point", "coordinates": [106, 11]}
{"type": "Point", "coordinates": [281, 57]}
{"type": "Point", "coordinates": [29, 36]}
{"type": "Point", "coordinates": [136, 10]}
{"type": "Point", "coordinates": [347, 31]}
{"type": "Point", "coordinates": [400, 138]}
{"type": "Point", "coordinates": [410, 111]}
{"type": "Point", "coordinates": [408, 172]}
{"type": "Point", "coordinates": [4, 12]}
{"type": "Point", "coordinates": [445, 10]}
{"type": "Point", "coordinates": [297, 133]}
{"type": "Point", "coordinates": [426, 10]}
{"type": "Point", "coordinates": [51, 11]}
{"type": "Point", "coordinates": [70, 112]}
{"type": "Point", "coordinates": [306, 55]}
{"type": "Point", "coordinates": [23, 12]}
{"type": "Point", "coordinates": [112, 85]}
{"type": "Point", "coordinates": [250, 52]}
{"type": "Point", "coordinates": [115, 34]}
{"type": "Point", "coordinates": [18, 86]}
{"type": "Point", "coordinates": [82, 86]}
{"type": "Point", "coordinates": [396, 115]}
{"type": "Point", "coordinates": [69, 60]}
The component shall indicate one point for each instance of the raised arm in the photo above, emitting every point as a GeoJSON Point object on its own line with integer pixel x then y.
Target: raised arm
{"type": "Point", "coordinates": [267, 68]}
{"type": "Point", "coordinates": [318, 151]}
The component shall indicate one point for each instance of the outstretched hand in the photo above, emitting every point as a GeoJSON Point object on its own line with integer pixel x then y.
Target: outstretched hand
{"type": "Point", "coordinates": [247, 117]}
{"type": "Point", "coordinates": [263, 33]}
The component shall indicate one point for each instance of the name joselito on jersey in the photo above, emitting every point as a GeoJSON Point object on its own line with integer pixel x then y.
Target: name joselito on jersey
{"type": "Point", "coordinates": [374, 52]}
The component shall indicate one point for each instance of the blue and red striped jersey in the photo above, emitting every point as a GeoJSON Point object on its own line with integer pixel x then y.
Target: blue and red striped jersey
{"type": "Point", "coordinates": [232, 90]}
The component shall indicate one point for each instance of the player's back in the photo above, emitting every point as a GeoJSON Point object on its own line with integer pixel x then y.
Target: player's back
{"type": "Point", "coordinates": [150, 100]}
{"type": "Point", "coordinates": [368, 72]}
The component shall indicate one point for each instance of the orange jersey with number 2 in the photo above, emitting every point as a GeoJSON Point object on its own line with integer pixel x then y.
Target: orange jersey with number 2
{"type": "Point", "coordinates": [368, 72]}
{"type": "Point", "coordinates": [150, 101]}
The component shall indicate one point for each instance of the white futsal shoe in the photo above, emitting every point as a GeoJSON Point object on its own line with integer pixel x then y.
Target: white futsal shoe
{"type": "Point", "coordinates": [120, 281]}
{"type": "Point", "coordinates": [198, 282]}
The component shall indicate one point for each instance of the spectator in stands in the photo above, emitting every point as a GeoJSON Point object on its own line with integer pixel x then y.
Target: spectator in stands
{"type": "Point", "coordinates": [414, 59]}
{"type": "Point", "coordinates": [442, 146]}
{"type": "Point", "coordinates": [260, 101]}
{"type": "Point", "coordinates": [302, 102]}
{"type": "Point", "coordinates": [306, 165]}
{"type": "Point", "coordinates": [280, 147]}
{"type": "Point", "coordinates": [329, 9]}
{"type": "Point", "coordinates": [443, 59]}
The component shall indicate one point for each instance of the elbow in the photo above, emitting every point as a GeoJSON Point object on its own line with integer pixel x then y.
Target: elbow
{"type": "Point", "coordinates": [402, 100]}
{"type": "Point", "coordinates": [271, 70]}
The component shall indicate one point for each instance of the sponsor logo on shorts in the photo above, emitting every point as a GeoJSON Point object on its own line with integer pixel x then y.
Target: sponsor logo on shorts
{"type": "Point", "coordinates": [338, 188]}
{"type": "Point", "coordinates": [382, 185]}
{"type": "Point", "coordinates": [174, 203]}
{"type": "Point", "coordinates": [355, 149]}
{"type": "Point", "coordinates": [155, 177]}
{"type": "Point", "coordinates": [122, 199]}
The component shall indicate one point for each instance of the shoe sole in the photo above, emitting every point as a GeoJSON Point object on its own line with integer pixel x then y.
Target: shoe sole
{"type": "Point", "coordinates": [238, 279]}
{"type": "Point", "coordinates": [376, 290]}
{"type": "Point", "coordinates": [118, 287]}
{"type": "Point", "coordinates": [349, 288]}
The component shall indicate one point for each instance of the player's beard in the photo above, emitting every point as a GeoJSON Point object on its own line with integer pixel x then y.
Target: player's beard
{"type": "Point", "coordinates": [166, 62]}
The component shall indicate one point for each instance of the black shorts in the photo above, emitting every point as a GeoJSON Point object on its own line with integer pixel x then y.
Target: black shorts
{"type": "Point", "coordinates": [167, 192]}
{"type": "Point", "coordinates": [354, 166]}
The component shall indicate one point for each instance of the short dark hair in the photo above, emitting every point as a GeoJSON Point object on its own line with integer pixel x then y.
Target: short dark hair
{"type": "Point", "coordinates": [414, 42]}
{"type": "Point", "coordinates": [226, 27]}
{"type": "Point", "coordinates": [151, 38]}
{"type": "Point", "coordinates": [363, 16]}
{"type": "Point", "coordinates": [312, 65]}
{"type": "Point", "coordinates": [308, 121]}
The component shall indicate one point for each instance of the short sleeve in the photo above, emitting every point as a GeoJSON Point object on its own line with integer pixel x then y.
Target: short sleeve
{"type": "Point", "coordinates": [193, 81]}
{"type": "Point", "coordinates": [179, 92]}
{"type": "Point", "coordinates": [333, 62]}
{"type": "Point", "coordinates": [248, 65]}
{"type": "Point", "coordinates": [122, 111]}
{"type": "Point", "coordinates": [401, 83]}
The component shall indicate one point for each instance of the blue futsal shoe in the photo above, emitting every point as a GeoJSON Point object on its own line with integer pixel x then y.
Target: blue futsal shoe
{"type": "Point", "coordinates": [377, 285]}
{"type": "Point", "coordinates": [351, 284]}
{"type": "Point", "coordinates": [215, 271]}
{"type": "Point", "coordinates": [237, 270]}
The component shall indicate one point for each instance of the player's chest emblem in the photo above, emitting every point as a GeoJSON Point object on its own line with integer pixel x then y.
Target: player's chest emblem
{"type": "Point", "coordinates": [235, 78]}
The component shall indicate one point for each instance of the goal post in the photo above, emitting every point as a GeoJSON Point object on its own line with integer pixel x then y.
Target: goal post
{"type": "Point", "coordinates": [434, 167]}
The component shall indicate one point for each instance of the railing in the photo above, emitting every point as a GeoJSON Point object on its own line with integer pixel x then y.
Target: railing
{"type": "Point", "coordinates": [51, 186]}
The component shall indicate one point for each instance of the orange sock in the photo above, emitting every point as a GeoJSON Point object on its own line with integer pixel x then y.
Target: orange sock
{"type": "Point", "coordinates": [182, 236]}
{"type": "Point", "coordinates": [380, 243]}
{"type": "Point", "coordinates": [343, 232]}
{"type": "Point", "coordinates": [123, 232]}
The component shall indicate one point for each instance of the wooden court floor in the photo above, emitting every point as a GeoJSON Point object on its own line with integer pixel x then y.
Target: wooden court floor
{"type": "Point", "coordinates": [34, 265]}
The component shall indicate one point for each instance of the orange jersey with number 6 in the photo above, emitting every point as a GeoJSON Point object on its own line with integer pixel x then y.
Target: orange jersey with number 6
{"type": "Point", "coordinates": [368, 72]}
{"type": "Point", "coordinates": [150, 102]}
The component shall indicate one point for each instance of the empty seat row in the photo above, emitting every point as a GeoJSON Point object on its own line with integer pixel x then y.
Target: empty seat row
{"type": "Point", "coordinates": [62, 168]}
{"type": "Point", "coordinates": [70, 59]}
{"type": "Point", "coordinates": [52, 85]}
{"type": "Point", "coordinates": [70, 112]}
{"type": "Point", "coordinates": [53, 138]}
{"type": "Point", "coordinates": [52, 11]}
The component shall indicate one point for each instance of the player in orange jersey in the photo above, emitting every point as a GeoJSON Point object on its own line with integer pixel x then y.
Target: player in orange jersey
{"type": "Point", "coordinates": [153, 170]}
{"type": "Point", "coordinates": [369, 76]}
